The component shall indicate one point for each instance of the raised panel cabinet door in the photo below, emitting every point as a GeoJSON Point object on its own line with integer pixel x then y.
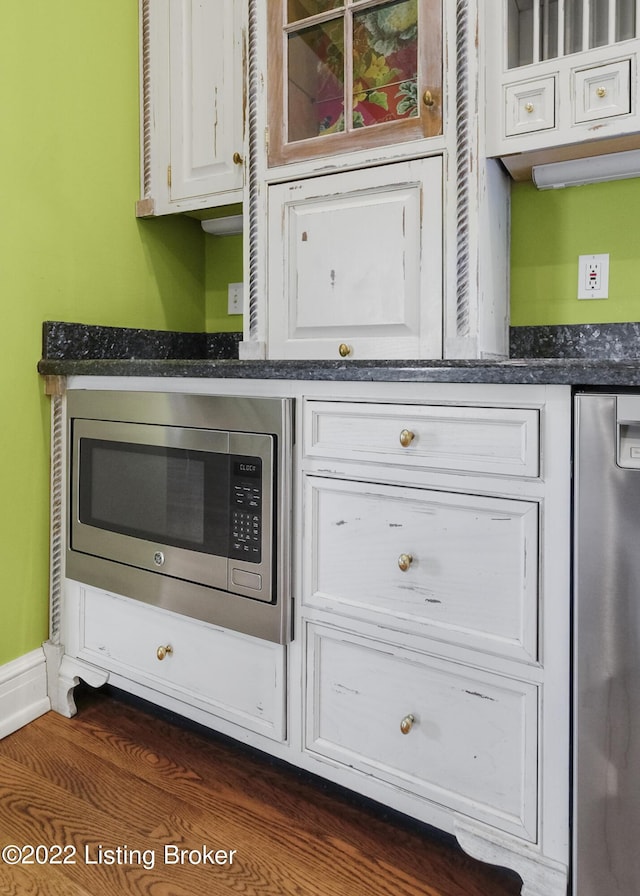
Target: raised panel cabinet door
{"type": "Point", "coordinates": [206, 96]}
{"type": "Point", "coordinates": [192, 111]}
{"type": "Point", "coordinates": [355, 264]}
{"type": "Point", "coordinates": [347, 74]}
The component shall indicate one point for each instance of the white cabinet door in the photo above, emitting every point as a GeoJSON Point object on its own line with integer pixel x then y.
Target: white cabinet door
{"type": "Point", "coordinates": [192, 104]}
{"type": "Point", "coordinates": [355, 264]}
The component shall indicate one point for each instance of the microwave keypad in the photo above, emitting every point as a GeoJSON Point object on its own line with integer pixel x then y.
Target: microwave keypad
{"type": "Point", "coordinates": [246, 522]}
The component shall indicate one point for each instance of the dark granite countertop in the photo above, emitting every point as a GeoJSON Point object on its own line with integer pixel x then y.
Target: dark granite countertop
{"type": "Point", "coordinates": [77, 349]}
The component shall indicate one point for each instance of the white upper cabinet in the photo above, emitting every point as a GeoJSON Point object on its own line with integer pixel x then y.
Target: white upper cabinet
{"type": "Point", "coordinates": [562, 80]}
{"type": "Point", "coordinates": [192, 104]}
{"type": "Point", "coordinates": [346, 75]}
{"type": "Point", "coordinates": [378, 230]}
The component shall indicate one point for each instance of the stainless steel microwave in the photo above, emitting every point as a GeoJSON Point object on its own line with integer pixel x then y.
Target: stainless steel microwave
{"type": "Point", "coordinates": [183, 501]}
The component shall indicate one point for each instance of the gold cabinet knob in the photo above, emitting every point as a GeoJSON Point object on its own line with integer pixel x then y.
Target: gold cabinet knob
{"type": "Point", "coordinates": [601, 92]}
{"type": "Point", "coordinates": [407, 723]}
{"type": "Point", "coordinates": [237, 158]}
{"type": "Point", "coordinates": [163, 651]}
{"type": "Point", "coordinates": [405, 561]}
{"type": "Point", "coordinates": [344, 350]}
{"type": "Point", "coordinates": [427, 99]}
{"type": "Point", "coordinates": [406, 437]}
{"type": "Point", "coordinates": [529, 107]}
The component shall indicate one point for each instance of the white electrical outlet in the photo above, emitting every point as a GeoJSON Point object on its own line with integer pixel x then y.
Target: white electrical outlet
{"type": "Point", "coordinates": [593, 276]}
{"type": "Point", "coordinates": [235, 300]}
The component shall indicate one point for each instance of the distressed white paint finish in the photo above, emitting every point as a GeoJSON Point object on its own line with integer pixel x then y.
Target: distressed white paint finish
{"type": "Point", "coordinates": [23, 691]}
{"type": "Point", "coordinates": [541, 875]}
{"type": "Point", "coordinates": [577, 102]}
{"type": "Point", "coordinates": [473, 575]}
{"type": "Point", "coordinates": [356, 258]}
{"type": "Point", "coordinates": [471, 439]}
{"type": "Point", "coordinates": [357, 472]}
{"type": "Point", "coordinates": [193, 103]}
{"type": "Point", "coordinates": [539, 849]}
{"type": "Point", "coordinates": [239, 678]}
{"type": "Point", "coordinates": [472, 743]}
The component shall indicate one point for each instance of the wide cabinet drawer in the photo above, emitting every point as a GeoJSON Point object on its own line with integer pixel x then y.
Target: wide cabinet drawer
{"type": "Point", "coordinates": [461, 737]}
{"type": "Point", "coordinates": [238, 678]}
{"type": "Point", "coordinates": [459, 568]}
{"type": "Point", "coordinates": [468, 439]}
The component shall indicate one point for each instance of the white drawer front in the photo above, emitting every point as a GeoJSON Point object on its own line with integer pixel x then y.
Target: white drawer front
{"type": "Point", "coordinates": [603, 91]}
{"type": "Point", "coordinates": [475, 439]}
{"type": "Point", "coordinates": [238, 678]}
{"type": "Point", "coordinates": [472, 744]}
{"type": "Point", "coordinates": [472, 575]}
{"type": "Point", "coordinates": [529, 106]}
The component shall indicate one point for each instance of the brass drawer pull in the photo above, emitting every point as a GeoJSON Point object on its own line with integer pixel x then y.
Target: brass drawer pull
{"type": "Point", "coordinates": [344, 350]}
{"type": "Point", "coordinates": [427, 99]}
{"type": "Point", "coordinates": [405, 561]}
{"type": "Point", "coordinates": [237, 158]}
{"type": "Point", "coordinates": [163, 651]}
{"type": "Point", "coordinates": [407, 723]}
{"type": "Point", "coordinates": [529, 107]}
{"type": "Point", "coordinates": [601, 92]}
{"type": "Point", "coordinates": [406, 437]}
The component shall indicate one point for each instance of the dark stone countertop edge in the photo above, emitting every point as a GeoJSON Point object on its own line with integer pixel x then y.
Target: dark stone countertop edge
{"type": "Point", "coordinates": [573, 372]}
{"type": "Point", "coordinates": [588, 354]}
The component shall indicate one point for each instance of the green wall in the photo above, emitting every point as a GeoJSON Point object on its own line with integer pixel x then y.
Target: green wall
{"type": "Point", "coordinates": [223, 265]}
{"type": "Point", "coordinates": [70, 249]}
{"type": "Point", "coordinates": [550, 229]}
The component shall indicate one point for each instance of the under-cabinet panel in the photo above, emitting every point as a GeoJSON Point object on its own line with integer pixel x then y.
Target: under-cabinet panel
{"type": "Point", "coordinates": [461, 737]}
{"type": "Point", "coordinates": [458, 568]}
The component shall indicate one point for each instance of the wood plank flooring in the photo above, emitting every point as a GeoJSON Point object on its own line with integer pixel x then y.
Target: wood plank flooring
{"type": "Point", "coordinates": [112, 796]}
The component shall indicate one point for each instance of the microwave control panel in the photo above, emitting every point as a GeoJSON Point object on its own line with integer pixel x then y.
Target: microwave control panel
{"type": "Point", "coordinates": [246, 509]}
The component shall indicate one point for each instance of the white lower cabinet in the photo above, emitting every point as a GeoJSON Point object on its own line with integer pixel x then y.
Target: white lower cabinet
{"type": "Point", "coordinates": [435, 612]}
{"type": "Point", "coordinates": [430, 664]}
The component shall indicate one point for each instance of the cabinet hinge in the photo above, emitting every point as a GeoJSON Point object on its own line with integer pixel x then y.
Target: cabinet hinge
{"type": "Point", "coordinates": [169, 175]}
{"type": "Point", "coordinates": [266, 139]}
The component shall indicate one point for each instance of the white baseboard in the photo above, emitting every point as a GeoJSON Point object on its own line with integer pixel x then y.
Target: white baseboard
{"type": "Point", "coordinates": [23, 691]}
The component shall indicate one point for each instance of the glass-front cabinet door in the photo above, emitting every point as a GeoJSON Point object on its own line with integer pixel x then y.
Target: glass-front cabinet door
{"type": "Point", "coordinates": [348, 74]}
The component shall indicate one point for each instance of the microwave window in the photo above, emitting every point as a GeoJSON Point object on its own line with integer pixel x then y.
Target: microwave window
{"type": "Point", "coordinates": [159, 494]}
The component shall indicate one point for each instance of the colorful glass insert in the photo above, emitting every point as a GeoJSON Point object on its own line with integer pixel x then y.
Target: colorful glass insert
{"type": "Point", "coordinates": [385, 63]}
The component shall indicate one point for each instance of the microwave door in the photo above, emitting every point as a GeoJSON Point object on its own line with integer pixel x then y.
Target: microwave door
{"type": "Point", "coordinates": [153, 497]}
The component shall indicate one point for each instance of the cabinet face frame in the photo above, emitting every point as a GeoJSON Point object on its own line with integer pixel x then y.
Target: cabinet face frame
{"type": "Point", "coordinates": [428, 123]}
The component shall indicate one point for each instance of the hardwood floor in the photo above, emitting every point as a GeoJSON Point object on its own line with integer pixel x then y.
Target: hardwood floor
{"type": "Point", "coordinates": [110, 797]}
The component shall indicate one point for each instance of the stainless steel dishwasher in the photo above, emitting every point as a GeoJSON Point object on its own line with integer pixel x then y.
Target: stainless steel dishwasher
{"type": "Point", "coordinates": [606, 791]}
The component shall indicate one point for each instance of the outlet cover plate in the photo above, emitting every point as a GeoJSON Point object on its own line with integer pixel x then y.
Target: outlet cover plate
{"type": "Point", "coordinates": [235, 298]}
{"type": "Point", "coordinates": [593, 276]}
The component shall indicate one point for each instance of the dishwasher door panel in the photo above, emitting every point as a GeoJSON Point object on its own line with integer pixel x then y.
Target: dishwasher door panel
{"type": "Point", "coordinates": [606, 657]}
